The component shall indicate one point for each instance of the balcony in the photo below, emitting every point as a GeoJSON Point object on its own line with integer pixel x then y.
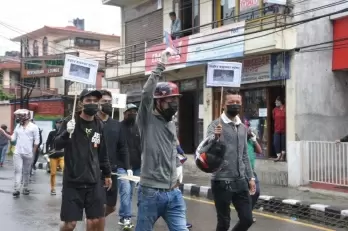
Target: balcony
{"type": "Point", "coordinates": [120, 3]}
{"type": "Point", "coordinates": [15, 91]}
{"type": "Point", "coordinates": [263, 35]}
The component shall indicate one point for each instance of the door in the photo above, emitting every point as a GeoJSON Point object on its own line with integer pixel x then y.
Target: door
{"type": "Point", "coordinates": [187, 125]}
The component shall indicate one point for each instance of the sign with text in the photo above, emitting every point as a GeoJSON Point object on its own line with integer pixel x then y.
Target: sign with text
{"type": "Point", "coordinates": [153, 55]}
{"type": "Point", "coordinates": [224, 74]}
{"type": "Point", "coordinates": [256, 69]}
{"type": "Point", "coordinates": [119, 100]}
{"type": "Point", "coordinates": [247, 4]}
{"type": "Point", "coordinates": [80, 70]}
{"type": "Point", "coordinates": [44, 66]}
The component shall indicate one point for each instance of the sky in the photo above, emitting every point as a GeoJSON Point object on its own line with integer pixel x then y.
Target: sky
{"type": "Point", "coordinates": [28, 15]}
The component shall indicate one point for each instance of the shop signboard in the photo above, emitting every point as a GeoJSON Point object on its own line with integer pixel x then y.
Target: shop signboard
{"type": "Point", "coordinates": [280, 66]}
{"type": "Point", "coordinates": [216, 44]}
{"type": "Point", "coordinates": [153, 55]}
{"type": "Point", "coordinates": [256, 69]}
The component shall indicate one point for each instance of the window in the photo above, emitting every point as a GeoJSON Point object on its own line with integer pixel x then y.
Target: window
{"type": "Point", "coordinates": [45, 46]}
{"type": "Point", "coordinates": [87, 43]}
{"type": "Point", "coordinates": [188, 13]}
{"type": "Point", "coordinates": [224, 12]}
{"type": "Point", "coordinates": [35, 48]}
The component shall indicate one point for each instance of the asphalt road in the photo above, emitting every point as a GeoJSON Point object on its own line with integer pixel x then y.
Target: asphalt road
{"type": "Point", "coordinates": [40, 211]}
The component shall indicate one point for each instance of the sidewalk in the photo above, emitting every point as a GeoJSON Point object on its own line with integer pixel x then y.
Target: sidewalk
{"type": "Point", "coordinates": [329, 210]}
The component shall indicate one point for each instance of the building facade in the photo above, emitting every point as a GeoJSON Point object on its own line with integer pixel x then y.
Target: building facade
{"type": "Point", "coordinates": [243, 31]}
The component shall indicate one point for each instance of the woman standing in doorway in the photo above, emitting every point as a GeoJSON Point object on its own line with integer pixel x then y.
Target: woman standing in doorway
{"type": "Point", "coordinates": [279, 117]}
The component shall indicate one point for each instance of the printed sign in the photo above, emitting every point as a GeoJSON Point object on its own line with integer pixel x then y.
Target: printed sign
{"type": "Point", "coordinates": [247, 4]}
{"type": "Point", "coordinates": [80, 70]}
{"type": "Point", "coordinates": [224, 74]}
{"type": "Point", "coordinates": [280, 66]}
{"type": "Point", "coordinates": [256, 69]}
{"type": "Point", "coordinates": [119, 100]}
{"type": "Point", "coordinates": [278, 2]}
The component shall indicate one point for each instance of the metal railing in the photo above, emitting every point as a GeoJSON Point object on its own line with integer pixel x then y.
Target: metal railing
{"type": "Point", "coordinates": [36, 92]}
{"type": "Point", "coordinates": [136, 52]}
{"type": "Point", "coordinates": [328, 162]}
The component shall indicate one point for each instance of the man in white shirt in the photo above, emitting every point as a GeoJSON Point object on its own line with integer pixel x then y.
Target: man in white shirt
{"type": "Point", "coordinates": [27, 139]}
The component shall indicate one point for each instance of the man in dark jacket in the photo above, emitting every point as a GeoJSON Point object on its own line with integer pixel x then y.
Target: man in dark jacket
{"type": "Point", "coordinates": [131, 133]}
{"type": "Point", "coordinates": [56, 156]}
{"type": "Point", "coordinates": [116, 147]}
{"type": "Point", "coordinates": [85, 155]}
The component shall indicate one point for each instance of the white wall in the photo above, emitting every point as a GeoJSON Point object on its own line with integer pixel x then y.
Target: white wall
{"type": "Point", "coordinates": [319, 95]}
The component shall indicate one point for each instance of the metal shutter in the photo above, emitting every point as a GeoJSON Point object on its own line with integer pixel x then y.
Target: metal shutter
{"type": "Point", "coordinates": [145, 28]}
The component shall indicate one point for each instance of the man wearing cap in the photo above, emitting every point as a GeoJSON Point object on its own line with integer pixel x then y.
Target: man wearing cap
{"type": "Point", "coordinates": [56, 156]}
{"type": "Point", "coordinates": [27, 138]}
{"type": "Point", "coordinates": [83, 142]}
{"type": "Point", "coordinates": [132, 136]}
{"type": "Point", "coordinates": [116, 146]}
{"type": "Point", "coordinates": [158, 193]}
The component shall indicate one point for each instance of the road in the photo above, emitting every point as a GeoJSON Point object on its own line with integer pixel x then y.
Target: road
{"type": "Point", "coordinates": [40, 211]}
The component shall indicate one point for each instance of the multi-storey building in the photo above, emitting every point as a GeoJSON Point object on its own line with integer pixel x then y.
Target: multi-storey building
{"type": "Point", "coordinates": [40, 72]}
{"type": "Point", "coordinates": [263, 35]}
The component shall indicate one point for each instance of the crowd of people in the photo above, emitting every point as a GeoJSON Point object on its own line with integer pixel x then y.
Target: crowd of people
{"type": "Point", "coordinates": [93, 150]}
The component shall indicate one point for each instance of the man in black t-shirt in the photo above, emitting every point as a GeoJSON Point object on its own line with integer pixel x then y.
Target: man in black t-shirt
{"type": "Point", "coordinates": [85, 155]}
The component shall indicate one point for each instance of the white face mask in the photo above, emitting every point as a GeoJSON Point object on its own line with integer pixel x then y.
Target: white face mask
{"type": "Point", "coordinates": [278, 104]}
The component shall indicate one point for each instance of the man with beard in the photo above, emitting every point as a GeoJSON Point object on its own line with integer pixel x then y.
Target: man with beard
{"type": "Point", "coordinates": [116, 147]}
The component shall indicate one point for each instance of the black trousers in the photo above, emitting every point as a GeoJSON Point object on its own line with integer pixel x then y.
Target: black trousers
{"type": "Point", "coordinates": [237, 193]}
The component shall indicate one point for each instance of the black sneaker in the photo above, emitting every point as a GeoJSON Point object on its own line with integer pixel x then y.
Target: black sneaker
{"type": "Point", "coordinates": [188, 225]}
{"type": "Point", "coordinates": [53, 192]}
{"type": "Point", "coordinates": [26, 191]}
{"type": "Point", "coordinates": [16, 194]}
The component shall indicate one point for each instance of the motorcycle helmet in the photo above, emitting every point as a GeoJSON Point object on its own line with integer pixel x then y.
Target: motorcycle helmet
{"type": "Point", "coordinates": [210, 154]}
{"type": "Point", "coordinates": [166, 89]}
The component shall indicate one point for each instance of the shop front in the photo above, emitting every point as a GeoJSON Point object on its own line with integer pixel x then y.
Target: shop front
{"type": "Point", "coordinates": [263, 80]}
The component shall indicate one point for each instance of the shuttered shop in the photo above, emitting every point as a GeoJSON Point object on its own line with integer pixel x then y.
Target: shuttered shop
{"type": "Point", "coordinates": [145, 28]}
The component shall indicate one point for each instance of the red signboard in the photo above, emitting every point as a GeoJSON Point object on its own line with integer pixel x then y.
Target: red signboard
{"type": "Point", "coordinates": [153, 55]}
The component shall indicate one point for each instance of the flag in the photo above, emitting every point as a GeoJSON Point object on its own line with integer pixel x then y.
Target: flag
{"type": "Point", "coordinates": [170, 47]}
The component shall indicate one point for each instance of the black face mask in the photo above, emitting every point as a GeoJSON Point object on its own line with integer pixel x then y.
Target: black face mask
{"type": "Point", "coordinates": [233, 110]}
{"type": "Point", "coordinates": [170, 111]}
{"type": "Point", "coordinates": [90, 109]}
{"type": "Point", "coordinates": [107, 108]}
{"type": "Point", "coordinates": [131, 118]}
{"type": "Point", "coordinates": [18, 120]}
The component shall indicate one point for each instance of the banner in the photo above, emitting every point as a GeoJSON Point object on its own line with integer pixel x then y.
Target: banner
{"type": "Point", "coordinates": [256, 69]}
{"type": "Point", "coordinates": [224, 74]}
{"type": "Point", "coordinates": [80, 70]}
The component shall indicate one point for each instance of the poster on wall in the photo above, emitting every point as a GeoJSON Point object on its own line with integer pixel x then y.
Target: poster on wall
{"type": "Point", "coordinates": [224, 74]}
{"type": "Point", "coordinates": [280, 66]}
{"type": "Point", "coordinates": [80, 70]}
{"type": "Point", "coordinates": [256, 69]}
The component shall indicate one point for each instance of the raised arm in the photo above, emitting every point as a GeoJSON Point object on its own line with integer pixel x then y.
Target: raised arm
{"type": "Point", "coordinates": [146, 103]}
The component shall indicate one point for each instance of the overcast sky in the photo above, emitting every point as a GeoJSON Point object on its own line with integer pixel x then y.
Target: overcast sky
{"type": "Point", "coordinates": [29, 15]}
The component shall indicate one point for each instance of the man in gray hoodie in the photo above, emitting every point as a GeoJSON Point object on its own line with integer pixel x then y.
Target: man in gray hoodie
{"type": "Point", "coordinates": [235, 181]}
{"type": "Point", "coordinates": [158, 193]}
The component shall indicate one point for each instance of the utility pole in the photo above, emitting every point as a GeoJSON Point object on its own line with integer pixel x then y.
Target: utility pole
{"type": "Point", "coordinates": [21, 72]}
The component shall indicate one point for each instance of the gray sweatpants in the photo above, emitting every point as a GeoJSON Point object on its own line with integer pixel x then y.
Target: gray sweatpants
{"type": "Point", "coordinates": [22, 166]}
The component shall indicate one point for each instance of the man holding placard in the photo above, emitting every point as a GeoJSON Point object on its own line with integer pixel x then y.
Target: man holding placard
{"type": "Point", "coordinates": [85, 155]}
{"type": "Point", "coordinates": [158, 193]}
{"type": "Point", "coordinates": [117, 149]}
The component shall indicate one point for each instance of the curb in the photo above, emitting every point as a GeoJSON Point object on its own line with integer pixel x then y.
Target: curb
{"type": "Point", "coordinates": [318, 213]}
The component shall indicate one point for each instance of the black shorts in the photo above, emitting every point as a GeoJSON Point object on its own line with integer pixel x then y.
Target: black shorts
{"type": "Point", "coordinates": [75, 200]}
{"type": "Point", "coordinates": [111, 195]}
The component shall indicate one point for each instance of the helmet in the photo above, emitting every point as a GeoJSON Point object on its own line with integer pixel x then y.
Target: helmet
{"type": "Point", "coordinates": [166, 89]}
{"type": "Point", "coordinates": [210, 154]}
{"type": "Point", "coordinates": [22, 115]}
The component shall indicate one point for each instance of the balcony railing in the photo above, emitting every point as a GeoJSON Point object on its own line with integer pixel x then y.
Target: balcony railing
{"type": "Point", "coordinates": [271, 17]}
{"type": "Point", "coordinates": [36, 92]}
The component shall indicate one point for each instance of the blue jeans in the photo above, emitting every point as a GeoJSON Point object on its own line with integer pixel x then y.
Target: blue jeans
{"type": "Point", "coordinates": [155, 203]}
{"type": "Point", "coordinates": [126, 193]}
{"type": "Point", "coordinates": [3, 152]}
{"type": "Point", "coordinates": [279, 142]}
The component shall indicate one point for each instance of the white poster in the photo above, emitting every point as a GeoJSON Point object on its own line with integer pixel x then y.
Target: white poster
{"type": "Point", "coordinates": [278, 2]}
{"type": "Point", "coordinates": [80, 70]}
{"type": "Point", "coordinates": [119, 100]}
{"type": "Point", "coordinates": [256, 69]}
{"type": "Point", "coordinates": [262, 112]}
{"type": "Point", "coordinates": [201, 111]}
{"type": "Point", "coordinates": [224, 74]}
{"type": "Point", "coordinates": [46, 127]}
